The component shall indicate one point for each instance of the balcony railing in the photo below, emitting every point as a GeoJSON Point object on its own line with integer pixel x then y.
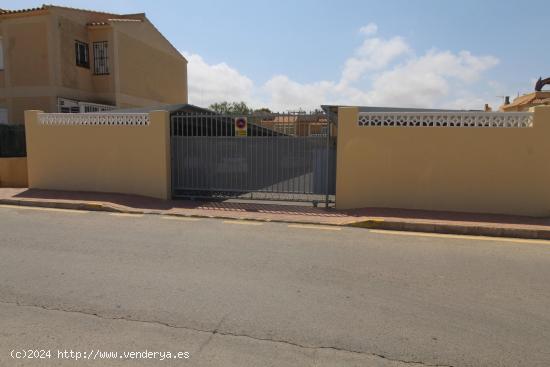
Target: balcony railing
{"type": "Point", "coordinates": [86, 107]}
{"type": "Point", "coordinates": [65, 105]}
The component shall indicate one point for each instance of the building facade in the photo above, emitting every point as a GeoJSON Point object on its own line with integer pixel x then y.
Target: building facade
{"type": "Point", "coordinates": [527, 101]}
{"type": "Point", "coordinates": [60, 59]}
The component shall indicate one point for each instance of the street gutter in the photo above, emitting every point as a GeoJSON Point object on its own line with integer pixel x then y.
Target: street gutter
{"type": "Point", "coordinates": [371, 223]}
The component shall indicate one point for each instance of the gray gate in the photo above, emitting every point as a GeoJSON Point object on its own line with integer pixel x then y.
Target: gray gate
{"type": "Point", "coordinates": [273, 157]}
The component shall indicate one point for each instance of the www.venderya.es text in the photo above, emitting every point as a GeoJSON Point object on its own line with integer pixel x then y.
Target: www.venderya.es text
{"type": "Point", "coordinates": [96, 354]}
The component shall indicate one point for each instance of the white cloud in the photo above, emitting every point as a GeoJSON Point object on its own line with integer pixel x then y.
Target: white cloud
{"type": "Point", "coordinates": [210, 83]}
{"type": "Point", "coordinates": [373, 54]}
{"type": "Point", "coordinates": [285, 94]}
{"type": "Point", "coordinates": [428, 81]}
{"type": "Point", "coordinates": [380, 72]}
{"type": "Point", "coordinates": [369, 29]}
{"type": "Point", "coordinates": [471, 102]}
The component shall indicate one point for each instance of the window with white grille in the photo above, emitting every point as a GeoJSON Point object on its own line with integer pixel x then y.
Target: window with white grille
{"type": "Point", "coordinates": [101, 58]}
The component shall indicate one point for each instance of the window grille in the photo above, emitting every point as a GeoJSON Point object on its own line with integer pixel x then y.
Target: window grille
{"type": "Point", "coordinates": [69, 109]}
{"type": "Point", "coordinates": [65, 105]}
{"type": "Point", "coordinates": [101, 58]}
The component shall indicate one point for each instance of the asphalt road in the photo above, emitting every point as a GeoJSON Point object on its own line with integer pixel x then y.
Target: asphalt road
{"type": "Point", "coordinates": [265, 294]}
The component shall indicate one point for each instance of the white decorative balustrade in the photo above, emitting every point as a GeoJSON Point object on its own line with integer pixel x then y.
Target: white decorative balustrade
{"type": "Point", "coordinates": [126, 119]}
{"type": "Point", "coordinates": [446, 119]}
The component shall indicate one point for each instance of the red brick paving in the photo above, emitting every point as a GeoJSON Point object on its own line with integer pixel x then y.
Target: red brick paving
{"type": "Point", "coordinates": [402, 219]}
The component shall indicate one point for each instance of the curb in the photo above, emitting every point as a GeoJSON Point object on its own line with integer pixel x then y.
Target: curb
{"type": "Point", "coordinates": [374, 223]}
{"type": "Point", "coordinates": [458, 229]}
{"type": "Point", "coordinates": [62, 205]}
{"type": "Point", "coordinates": [112, 209]}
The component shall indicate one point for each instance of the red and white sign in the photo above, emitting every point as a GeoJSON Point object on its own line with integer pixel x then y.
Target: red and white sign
{"type": "Point", "coordinates": [241, 126]}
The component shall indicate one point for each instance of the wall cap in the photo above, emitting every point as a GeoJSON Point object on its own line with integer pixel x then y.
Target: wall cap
{"type": "Point", "coordinates": [107, 119]}
{"type": "Point", "coordinates": [446, 119]}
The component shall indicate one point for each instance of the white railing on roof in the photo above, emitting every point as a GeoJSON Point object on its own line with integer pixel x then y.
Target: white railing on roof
{"type": "Point", "coordinates": [66, 105]}
{"type": "Point", "coordinates": [87, 107]}
{"type": "Point", "coordinates": [446, 119]}
{"type": "Point", "coordinates": [127, 119]}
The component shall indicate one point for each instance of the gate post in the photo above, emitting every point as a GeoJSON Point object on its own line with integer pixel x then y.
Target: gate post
{"type": "Point", "coordinates": [347, 120]}
{"type": "Point", "coordinates": [162, 119]}
{"type": "Point", "coordinates": [327, 161]}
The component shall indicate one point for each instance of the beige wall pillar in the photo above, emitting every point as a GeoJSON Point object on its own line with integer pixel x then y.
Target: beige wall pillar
{"type": "Point", "coordinates": [33, 152]}
{"type": "Point", "coordinates": [347, 116]}
{"type": "Point", "coordinates": [162, 120]}
{"type": "Point", "coordinates": [118, 158]}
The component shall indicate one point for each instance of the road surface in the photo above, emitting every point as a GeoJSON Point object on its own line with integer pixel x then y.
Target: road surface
{"type": "Point", "coordinates": [233, 293]}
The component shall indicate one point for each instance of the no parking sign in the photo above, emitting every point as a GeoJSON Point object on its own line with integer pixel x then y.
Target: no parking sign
{"type": "Point", "coordinates": [241, 125]}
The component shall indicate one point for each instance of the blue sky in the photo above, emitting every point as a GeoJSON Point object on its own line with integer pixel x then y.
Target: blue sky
{"type": "Point", "coordinates": [288, 54]}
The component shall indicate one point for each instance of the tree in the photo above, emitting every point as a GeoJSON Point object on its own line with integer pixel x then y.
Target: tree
{"type": "Point", "coordinates": [263, 110]}
{"type": "Point", "coordinates": [236, 108]}
{"type": "Point", "coordinates": [231, 108]}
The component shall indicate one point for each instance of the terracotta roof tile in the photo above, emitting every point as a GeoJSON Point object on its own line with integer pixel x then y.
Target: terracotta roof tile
{"type": "Point", "coordinates": [94, 24]}
{"type": "Point", "coordinates": [50, 6]}
{"type": "Point", "coordinates": [7, 11]}
{"type": "Point", "coordinates": [109, 21]}
{"type": "Point", "coordinates": [527, 100]}
{"type": "Point", "coordinates": [47, 6]}
{"type": "Point", "coordinates": [125, 20]}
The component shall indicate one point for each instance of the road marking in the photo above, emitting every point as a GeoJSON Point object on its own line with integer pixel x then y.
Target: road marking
{"type": "Point", "coordinates": [305, 226]}
{"type": "Point", "coordinates": [459, 236]}
{"type": "Point", "coordinates": [44, 209]}
{"type": "Point", "coordinates": [126, 215]}
{"type": "Point", "coordinates": [243, 222]}
{"type": "Point", "coordinates": [185, 219]}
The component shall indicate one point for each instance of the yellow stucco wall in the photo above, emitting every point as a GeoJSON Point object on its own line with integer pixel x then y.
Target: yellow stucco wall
{"type": "Point", "coordinates": [27, 63]}
{"type": "Point", "coordinates": [27, 53]}
{"type": "Point", "coordinates": [485, 170]}
{"type": "Point", "coordinates": [102, 158]}
{"type": "Point", "coordinates": [147, 71]}
{"type": "Point", "coordinates": [18, 105]}
{"type": "Point", "coordinates": [73, 76]}
{"type": "Point", "coordinates": [13, 172]}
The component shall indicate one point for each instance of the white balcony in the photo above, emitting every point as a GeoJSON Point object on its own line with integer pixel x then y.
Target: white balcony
{"type": "Point", "coordinates": [65, 105]}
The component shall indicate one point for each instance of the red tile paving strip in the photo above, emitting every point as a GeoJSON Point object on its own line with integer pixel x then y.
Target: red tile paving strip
{"type": "Point", "coordinates": [398, 219]}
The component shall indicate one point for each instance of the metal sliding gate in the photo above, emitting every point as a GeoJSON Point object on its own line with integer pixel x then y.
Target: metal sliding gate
{"type": "Point", "coordinates": [264, 157]}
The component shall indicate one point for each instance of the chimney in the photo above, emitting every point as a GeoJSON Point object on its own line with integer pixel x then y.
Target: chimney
{"type": "Point", "coordinates": [506, 100]}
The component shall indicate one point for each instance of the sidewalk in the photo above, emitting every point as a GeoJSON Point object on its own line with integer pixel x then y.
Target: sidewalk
{"type": "Point", "coordinates": [390, 219]}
